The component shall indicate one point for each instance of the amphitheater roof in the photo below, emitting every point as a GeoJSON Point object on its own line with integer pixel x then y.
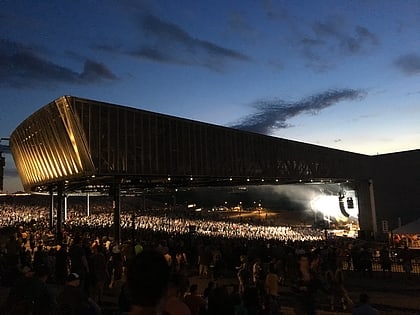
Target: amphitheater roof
{"type": "Point", "coordinates": [90, 145]}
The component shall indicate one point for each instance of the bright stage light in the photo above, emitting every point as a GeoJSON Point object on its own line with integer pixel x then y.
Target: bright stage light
{"type": "Point", "coordinates": [329, 206]}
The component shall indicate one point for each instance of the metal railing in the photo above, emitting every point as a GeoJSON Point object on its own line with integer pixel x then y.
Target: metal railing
{"type": "Point", "coordinates": [396, 265]}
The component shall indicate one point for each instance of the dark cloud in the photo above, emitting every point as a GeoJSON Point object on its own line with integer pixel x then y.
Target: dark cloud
{"type": "Point", "coordinates": [311, 50]}
{"type": "Point", "coordinates": [238, 22]}
{"type": "Point", "coordinates": [329, 41]}
{"type": "Point", "coordinates": [409, 64]}
{"type": "Point", "coordinates": [327, 29]}
{"type": "Point", "coordinates": [239, 25]}
{"type": "Point", "coordinates": [21, 67]}
{"type": "Point", "coordinates": [158, 55]}
{"type": "Point", "coordinates": [168, 43]}
{"type": "Point", "coordinates": [413, 93]}
{"type": "Point", "coordinates": [347, 41]}
{"type": "Point", "coordinates": [361, 38]}
{"type": "Point", "coordinates": [274, 10]}
{"type": "Point", "coordinates": [95, 71]}
{"type": "Point", "coordinates": [365, 35]}
{"type": "Point", "coordinates": [313, 42]}
{"type": "Point", "coordinates": [107, 48]}
{"type": "Point", "coordinates": [276, 65]}
{"type": "Point", "coordinates": [274, 114]}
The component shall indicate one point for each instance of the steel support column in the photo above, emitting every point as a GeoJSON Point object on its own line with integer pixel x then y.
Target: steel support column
{"type": "Point", "coordinates": [367, 213]}
{"type": "Point", "coordinates": [60, 206]}
{"type": "Point", "coordinates": [87, 204]}
{"type": "Point", "coordinates": [65, 207]}
{"type": "Point", "coordinates": [51, 214]}
{"type": "Point", "coordinates": [116, 205]}
{"type": "Point", "coordinates": [373, 208]}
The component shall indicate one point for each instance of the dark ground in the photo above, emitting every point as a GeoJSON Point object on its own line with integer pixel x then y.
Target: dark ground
{"type": "Point", "coordinates": [391, 296]}
{"type": "Point", "coordinates": [398, 295]}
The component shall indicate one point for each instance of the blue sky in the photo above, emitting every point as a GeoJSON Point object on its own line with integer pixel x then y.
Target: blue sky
{"type": "Point", "coordinates": [341, 74]}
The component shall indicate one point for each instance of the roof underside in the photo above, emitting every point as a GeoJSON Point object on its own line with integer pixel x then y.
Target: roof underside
{"type": "Point", "coordinates": [91, 146]}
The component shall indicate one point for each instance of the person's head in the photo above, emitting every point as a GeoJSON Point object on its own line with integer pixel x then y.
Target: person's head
{"type": "Point", "coordinates": [193, 289]}
{"type": "Point", "coordinates": [27, 271]}
{"type": "Point", "coordinates": [77, 239]}
{"type": "Point", "coordinates": [116, 249]}
{"type": "Point", "coordinates": [177, 285]}
{"type": "Point", "coordinates": [42, 272]}
{"type": "Point", "coordinates": [73, 280]}
{"type": "Point", "coordinates": [138, 249]}
{"type": "Point", "coordinates": [147, 278]}
{"type": "Point", "coordinates": [304, 260]}
{"type": "Point", "coordinates": [363, 298]}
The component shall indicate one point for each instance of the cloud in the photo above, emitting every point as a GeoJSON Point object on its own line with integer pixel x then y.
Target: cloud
{"type": "Point", "coordinates": [22, 67]}
{"type": "Point", "coordinates": [240, 27]}
{"type": "Point", "coordinates": [95, 71]}
{"type": "Point", "coordinates": [274, 114]}
{"type": "Point", "coordinates": [408, 64]}
{"type": "Point", "coordinates": [111, 48]}
{"type": "Point", "coordinates": [274, 10]}
{"type": "Point", "coordinates": [158, 55]}
{"type": "Point", "coordinates": [362, 38]}
{"type": "Point", "coordinates": [168, 43]}
{"type": "Point", "coordinates": [351, 42]}
{"type": "Point", "coordinates": [329, 28]}
{"type": "Point", "coordinates": [328, 41]}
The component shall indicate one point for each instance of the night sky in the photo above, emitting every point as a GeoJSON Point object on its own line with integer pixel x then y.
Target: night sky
{"type": "Point", "coordinates": [341, 74]}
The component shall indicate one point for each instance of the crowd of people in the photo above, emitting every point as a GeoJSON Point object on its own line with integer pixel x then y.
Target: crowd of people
{"type": "Point", "coordinates": [183, 225]}
{"type": "Point", "coordinates": [89, 262]}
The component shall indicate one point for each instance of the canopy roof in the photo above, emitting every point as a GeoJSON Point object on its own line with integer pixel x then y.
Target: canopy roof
{"type": "Point", "coordinates": [90, 145]}
{"type": "Point", "coordinates": [410, 228]}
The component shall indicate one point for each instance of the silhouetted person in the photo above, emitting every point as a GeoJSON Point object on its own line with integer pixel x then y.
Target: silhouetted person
{"type": "Point", "coordinates": [73, 300]}
{"type": "Point", "coordinates": [306, 287]}
{"type": "Point", "coordinates": [173, 301]}
{"type": "Point", "coordinates": [147, 283]}
{"type": "Point", "coordinates": [385, 261]}
{"type": "Point", "coordinates": [79, 263]}
{"type": "Point", "coordinates": [61, 264]}
{"type": "Point", "coordinates": [194, 301]}
{"type": "Point", "coordinates": [406, 261]}
{"type": "Point", "coordinates": [30, 294]}
{"type": "Point", "coordinates": [364, 307]}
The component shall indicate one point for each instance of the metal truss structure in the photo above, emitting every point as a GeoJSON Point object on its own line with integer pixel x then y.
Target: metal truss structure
{"type": "Point", "coordinates": [91, 145]}
{"type": "Point", "coordinates": [80, 145]}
